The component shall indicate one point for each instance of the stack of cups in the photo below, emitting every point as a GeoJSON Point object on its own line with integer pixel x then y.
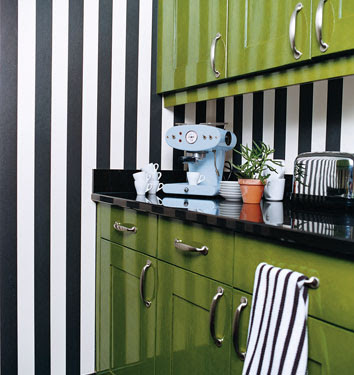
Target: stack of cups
{"type": "Point", "coordinates": [141, 183]}
{"type": "Point", "coordinates": [274, 188]}
{"type": "Point", "coordinates": [154, 177]}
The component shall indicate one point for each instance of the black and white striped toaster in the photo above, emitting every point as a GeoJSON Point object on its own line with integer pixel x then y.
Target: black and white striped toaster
{"type": "Point", "coordinates": [324, 174]}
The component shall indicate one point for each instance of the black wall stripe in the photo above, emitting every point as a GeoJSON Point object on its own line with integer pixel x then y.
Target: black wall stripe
{"type": "Point", "coordinates": [280, 123]}
{"type": "Point", "coordinates": [42, 185]}
{"type": "Point", "coordinates": [131, 84]}
{"type": "Point", "coordinates": [8, 187]}
{"type": "Point", "coordinates": [220, 110]}
{"type": "Point", "coordinates": [104, 84]}
{"type": "Point", "coordinates": [200, 115]}
{"type": "Point", "coordinates": [334, 114]}
{"type": "Point", "coordinates": [238, 120]}
{"type": "Point", "coordinates": [305, 117]}
{"type": "Point", "coordinates": [73, 212]}
{"type": "Point", "coordinates": [257, 118]}
{"type": "Point", "coordinates": [155, 100]}
{"type": "Point", "coordinates": [178, 117]}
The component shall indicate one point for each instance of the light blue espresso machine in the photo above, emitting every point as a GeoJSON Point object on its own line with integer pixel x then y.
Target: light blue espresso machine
{"type": "Point", "coordinates": [205, 147]}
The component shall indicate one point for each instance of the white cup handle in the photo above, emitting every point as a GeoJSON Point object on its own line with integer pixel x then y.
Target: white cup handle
{"type": "Point", "coordinates": [156, 166]}
{"type": "Point", "coordinates": [201, 179]}
{"type": "Point", "coordinates": [160, 186]}
{"type": "Point", "coordinates": [159, 174]}
{"type": "Point", "coordinates": [148, 187]}
{"type": "Point", "coordinates": [159, 200]}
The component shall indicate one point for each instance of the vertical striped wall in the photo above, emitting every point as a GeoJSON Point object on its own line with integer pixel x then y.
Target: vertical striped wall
{"type": "Point", "coordinates": [77, 92]}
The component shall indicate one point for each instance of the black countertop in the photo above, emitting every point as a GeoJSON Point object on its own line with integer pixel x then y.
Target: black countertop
{"type": "Point", "coordinates": [331, 232]}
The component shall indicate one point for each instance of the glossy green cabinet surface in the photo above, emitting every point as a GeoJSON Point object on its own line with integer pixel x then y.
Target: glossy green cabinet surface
{"type": "Point", "coordinates": [186, 32]}
{"type": "Point", "coordinates": [125, 339]}
{"type": "Point", "coordinates": [183, 341]}
{"type": "Point", "coordinates": [333, 301]}
{"type": "Point", "coordinates": [337, 26]}
{"type": "Point", "coordinates": [258, 37]}
{"type": "Point", "coordinates": [330, 348]}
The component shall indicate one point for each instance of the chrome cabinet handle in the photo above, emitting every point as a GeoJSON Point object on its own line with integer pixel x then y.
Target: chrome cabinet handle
{"type": "Point", "coordinates": [214, 302]}
{"type": "Point", "coordinates": [142, 279]}
{"type": "Point", "coordinates": [236, 326]}
{"type": "Point", "coordinates": [292, 31]}
{"type": "Point", "coordinates": [122, 228]}
{"type": "Point", "coordinates": [318, 26]}
{"type": "Point", "coordinates": [190, 249]}
{"type": "Point", "coordinates": [212, 55]}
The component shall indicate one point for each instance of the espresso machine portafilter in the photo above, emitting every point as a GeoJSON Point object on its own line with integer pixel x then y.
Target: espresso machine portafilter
{"type": "Point", "coordinates": [205, 148]}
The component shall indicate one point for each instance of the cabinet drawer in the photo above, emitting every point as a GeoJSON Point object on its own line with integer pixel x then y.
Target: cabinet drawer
{"type": "Point", "coordinates": [330, 348]}
{"type": "Point", "coordinates": [333, 301]}
{"type": "Point", "coordinates": [144, 239]}
{"type": "Point", "coordinates": [216, 264]}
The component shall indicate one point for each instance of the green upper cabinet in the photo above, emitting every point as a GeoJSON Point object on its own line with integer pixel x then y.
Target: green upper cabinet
{"type": "Point", "coordinates": [259, 34]}
{"type": "Point", "coordinates": [187, 34]}
{"type": "Point", "coordinates": [333, 25]}
{"type": "Point", "coordinates": [125, 337]}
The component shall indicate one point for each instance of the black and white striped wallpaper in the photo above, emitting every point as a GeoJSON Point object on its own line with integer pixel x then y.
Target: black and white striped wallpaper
{"type": "Point", "coordinates": [77, 92]}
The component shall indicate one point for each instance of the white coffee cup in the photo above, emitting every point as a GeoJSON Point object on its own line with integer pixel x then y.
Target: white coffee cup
{"type": "Point", "coordinates": [150, 168]}
{"type": "Point", "coordinates": [155, 176]}
{"type": "Point", "coordinates": [142, 187]}
{"type": "Point", "coordinates": [195, 178]}
{"type": "Point", "coordinates": [273, 213]}
{"type": "Point", "coordinates": [154, 199]}
{"type": "Point", "coordinates": [280, 170]}
{"type": "Point", "coordinates": [156, 186]}
{"type": "Point", "coordinates": [141, 176]}
{"type": "Point", "coordinates": [274, 189]}
{"type": "Point", "coordinates": [142, 198]}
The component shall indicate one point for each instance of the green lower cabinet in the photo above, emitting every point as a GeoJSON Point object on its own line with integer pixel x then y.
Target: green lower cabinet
{"type": "Point", "coordinates": [331, 349]}
{"type": "Point", "coordinates": [125, 338]}
{"type": "Point", "coordinates": [184, 344]}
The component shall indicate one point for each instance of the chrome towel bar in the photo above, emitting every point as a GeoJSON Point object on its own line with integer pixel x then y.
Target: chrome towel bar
{"type": "Point", "coordinates": [312, 282]}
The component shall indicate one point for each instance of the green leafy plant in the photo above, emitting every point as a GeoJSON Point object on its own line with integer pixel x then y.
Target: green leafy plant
{"type": "Point", "coordinates": [256, 160]}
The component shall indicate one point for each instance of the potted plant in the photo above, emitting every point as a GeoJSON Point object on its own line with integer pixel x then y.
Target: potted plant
{"type": "Point", "coordinates": [250, 176]}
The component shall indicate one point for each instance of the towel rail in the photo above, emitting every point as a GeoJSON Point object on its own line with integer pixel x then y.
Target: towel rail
{"type": "Point", "coordinates": [312, 282]}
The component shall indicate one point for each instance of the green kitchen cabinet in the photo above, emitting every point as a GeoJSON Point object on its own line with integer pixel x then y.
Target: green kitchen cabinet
{"type": "Point", "coordinates": [125, 325]}
{"type": "Point", "coordinates": [184, 343]}
{"type": "Point", "coordinates": [332, 26]}
{"type": "Point", "coordinates": [258, 37]}
{"type": "Point", "coordinates": [330, 347]}
{"type": "Point", "coordinates": [187, 31]}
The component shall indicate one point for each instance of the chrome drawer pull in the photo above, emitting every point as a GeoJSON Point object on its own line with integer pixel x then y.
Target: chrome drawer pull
{"type": "Point", "coordinates": [312, 282]}
{"type": "Point", "coordinates": [190, 249]}
{"type": "Point", "coordinates": [236, 327]}
{"type": "Point", "coordinates": [122, 228]}
{"type": "Point", "coordinates": [142, 278]}
{"type": "Point", "coordinates": [292, 31]}
{"type": "Point", "coordinates": [318, 26]}
{"type": "Point", "coordinates": [212, 55]}
{"type": "Point", "coordinates": [214, 302]}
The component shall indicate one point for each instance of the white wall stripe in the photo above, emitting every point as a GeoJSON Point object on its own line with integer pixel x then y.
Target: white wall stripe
{"type": "Point", "coordinates": [211, 111]}
{"type": "Point", "coordinates": [190, 113]}
{"type": "Point", "coordinates": [229, 119]}
{"type": "Point", "coordinates": [119, 14]}
{"type": "Point", "coordinates": [268, 117]}
{"type": "Point", "coordinates": [247, 118]}
{"type": "Point", "coordinates": [347, 138]}
{"type": "Point", "coordinates": [319, 116]}
{"type": "Point", "coordinates": [166, 150]}
{"type": "Point", "coordinates": [292, 127]}
{"type": "Point", "coordinates": [88, 208]}
{"type": "Point", "coordinates": [25, 184]}
{"type": "Point", "coordinates": [58, 186]}
{"type": "Point", "coordinates": [144, 83]}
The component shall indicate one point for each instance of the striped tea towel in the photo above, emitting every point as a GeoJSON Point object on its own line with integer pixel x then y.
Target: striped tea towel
{"type": "Point", "coordinates": [277, 332]}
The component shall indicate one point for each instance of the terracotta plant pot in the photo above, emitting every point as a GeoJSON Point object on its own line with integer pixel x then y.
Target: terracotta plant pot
{"type": "Point", "coordinates": [251, 190]}
{"type": "Point", "coordinates": [251, 212]}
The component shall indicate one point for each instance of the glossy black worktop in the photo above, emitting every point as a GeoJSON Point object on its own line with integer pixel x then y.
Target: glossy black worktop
{"type": "Point", "coordinates": [329, 231]}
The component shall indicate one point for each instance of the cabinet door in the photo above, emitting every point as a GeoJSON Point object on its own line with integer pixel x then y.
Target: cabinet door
{"type": "Point", "coordinates": [258, 37]}
{"type": "Point", "coordinates": [185, 34]}
{"type": "Point", "coordinates": [337, 26]}
{"type": "Point", "coordinates": [125, 325]}
{"type": "Point", "coordinates": [330, 348]}
{"type": "Point", "coordinates": [184, 344]}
